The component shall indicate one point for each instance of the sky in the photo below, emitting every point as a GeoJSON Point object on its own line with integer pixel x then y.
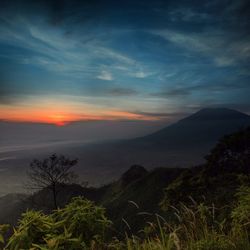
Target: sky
{"type": "Point", "coordinates": [64, 61]}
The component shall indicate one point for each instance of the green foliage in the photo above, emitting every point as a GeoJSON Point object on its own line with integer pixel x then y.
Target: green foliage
{"type": "Point", "coordinates": [74, 227]}
{"type": "Point", "coordinates": [141, 195]}
{"type": "Point", "coordinates": [200, 230]}
{"type": "Point", "coordinates": [241, 213]}
{"type": "Point", "coordinates": [197, 185]}
{"type": "Point", "coordinates": [213, 242]}
{"type": "Point", "coordinates": [83, 219]}
{"type": "Point", "coordinates": [197, 229]}
{"type": "Point", "coordinates": [33, 228]}
{"type": "Point", "coordinates": [3, 230]}
{"type": "Point", "coordinates": [81, 226]}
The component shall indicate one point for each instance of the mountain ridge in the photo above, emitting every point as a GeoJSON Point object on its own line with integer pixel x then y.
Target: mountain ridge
{"type": "Point", "coordinates": [218, 113]}
{"type": "Point", "coordinates": [216, 118]}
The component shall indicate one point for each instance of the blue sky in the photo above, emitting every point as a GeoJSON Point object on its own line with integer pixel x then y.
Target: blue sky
{"type": "Point", "coordinates": [154, 59]}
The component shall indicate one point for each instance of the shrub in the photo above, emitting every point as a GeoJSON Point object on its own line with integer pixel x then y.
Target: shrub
{"type": "Point", "coordinates": [83, 219]}
{"type": "Point", "coordinates": [32, 228]}
{"type": "Point", "coordinates": [77, 226]}
{"type": "Point", "coordinates": [241, 213]}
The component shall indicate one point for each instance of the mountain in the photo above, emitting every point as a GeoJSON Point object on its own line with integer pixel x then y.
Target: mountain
{"type": "Point", "coordinates": [191, 137]}
{"type": "Point", "coordinates": [182, 144]}
{"type": "Point", "coordinates": [202, 128]}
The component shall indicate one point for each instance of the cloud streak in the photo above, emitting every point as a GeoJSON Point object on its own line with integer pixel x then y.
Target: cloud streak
{"type": "Point", "coordinates": [138, 57]}
{"type": "Point", "coordinates": [212, 44]}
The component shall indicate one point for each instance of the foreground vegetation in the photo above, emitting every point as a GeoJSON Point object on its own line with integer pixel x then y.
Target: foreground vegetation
{"type": "Point", "coordinates": [204, 208]}
{"type": "Point", "coordinates": [82, 225]}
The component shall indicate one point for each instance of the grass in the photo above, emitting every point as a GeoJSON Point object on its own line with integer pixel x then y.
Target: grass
{"type": "Point", "coordinates": [196, 228]}
{"type": "Point", "coordinates": [82, 225]}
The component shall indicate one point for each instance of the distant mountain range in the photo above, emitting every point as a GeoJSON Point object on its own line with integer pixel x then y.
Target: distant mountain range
{"type": "Point", "coordinates": [183, 143]}
{"type": "Point", "coordinates": [200, 129]}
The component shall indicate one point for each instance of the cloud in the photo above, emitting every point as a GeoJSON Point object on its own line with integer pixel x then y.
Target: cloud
{"type": "Point", "coordinates": [179, 52]}
{"type": "Point", "coordinates": [48, 48]}
{"type": "Point", "coordinates": [205, 88]}
{"type": "Point", "coordinates": [127, 115]}
{"type": "Point", "coordinates": [215, 44]}
{"type": "Point", "coordinates": [117, 56]}
{"type": "Point", "coordinates": [188, 15]}
{"type": "Point", "coordinates": [163, 115]}
{"type": "Point", "coordinates": [105, 75]}
{"type": "Point", "coordinates": [141, 74]}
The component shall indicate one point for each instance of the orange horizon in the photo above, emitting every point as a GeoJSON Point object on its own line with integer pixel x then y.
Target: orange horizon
{"type": "Point", "coordinates": [63, 116]}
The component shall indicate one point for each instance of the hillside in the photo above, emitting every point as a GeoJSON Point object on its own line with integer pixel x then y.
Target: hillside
{"type": "Point", "coordinates": [139, 194]}
{"type": "Point", "coordinates": [140, 190]}
{"type": "Point", "coordinates": [134, 185]}
{"type": "Point", "coordinates": [11, 206]}
{"type": "Point", "coordinates": [201, 129]}
{"type": "Point", "coordinates": [191, 137]}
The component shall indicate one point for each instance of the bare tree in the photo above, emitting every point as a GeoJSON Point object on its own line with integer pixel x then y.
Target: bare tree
{"type": "Point", "coordinates": [50, 173]}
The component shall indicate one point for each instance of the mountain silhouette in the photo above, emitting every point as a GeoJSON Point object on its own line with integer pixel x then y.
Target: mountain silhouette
{"type": "Point", "coordinates": [216, 114]}
{"type": "Point", "coordinates": [191, 138]}
{"type": "Point", "coordinates": [182, 144]}
{"type": "Point", "coordinates": [202, 128]}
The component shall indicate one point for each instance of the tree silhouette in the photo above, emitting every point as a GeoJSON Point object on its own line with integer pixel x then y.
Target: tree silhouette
{"type": "Point", "coordinates": [232, 152]}
{"type": "Point", "coordinates": [51, 173]}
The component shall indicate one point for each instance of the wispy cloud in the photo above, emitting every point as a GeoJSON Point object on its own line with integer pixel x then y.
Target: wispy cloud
{"type": "Point", "coordinates": [141, 56]}
{"type": "Point", "coordinates": [209, 89]}
{"type": "Point", "coordinates": [213, 44]}
{"type": "Point", "coordinates": [188, 15]}
{"type": "Point", "coordinates": [141, 74]}
{"type": "Point", "coordinates": [110, 53]}
{"type": "Point", "coordinates": [105, 75]}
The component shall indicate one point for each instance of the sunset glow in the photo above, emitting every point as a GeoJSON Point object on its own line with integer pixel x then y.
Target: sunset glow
{"type": "Point", "coordinates": [61, 115]}
{"type": "Point", "coordinates": [150, 62]}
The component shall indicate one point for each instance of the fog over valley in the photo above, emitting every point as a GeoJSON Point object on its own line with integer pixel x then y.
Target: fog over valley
{"type": "Point", "coordinates": [20, 143]}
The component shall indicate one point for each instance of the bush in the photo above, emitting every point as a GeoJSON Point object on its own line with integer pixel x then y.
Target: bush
{"type": "Point", "coordinates": [74, 227]}
{"type": "Point", "coordinates": [83, 219]}
{"type": "Point", "coordinates": [32, 228]}
{"type": "Point", "coordinates": [241, 213]}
